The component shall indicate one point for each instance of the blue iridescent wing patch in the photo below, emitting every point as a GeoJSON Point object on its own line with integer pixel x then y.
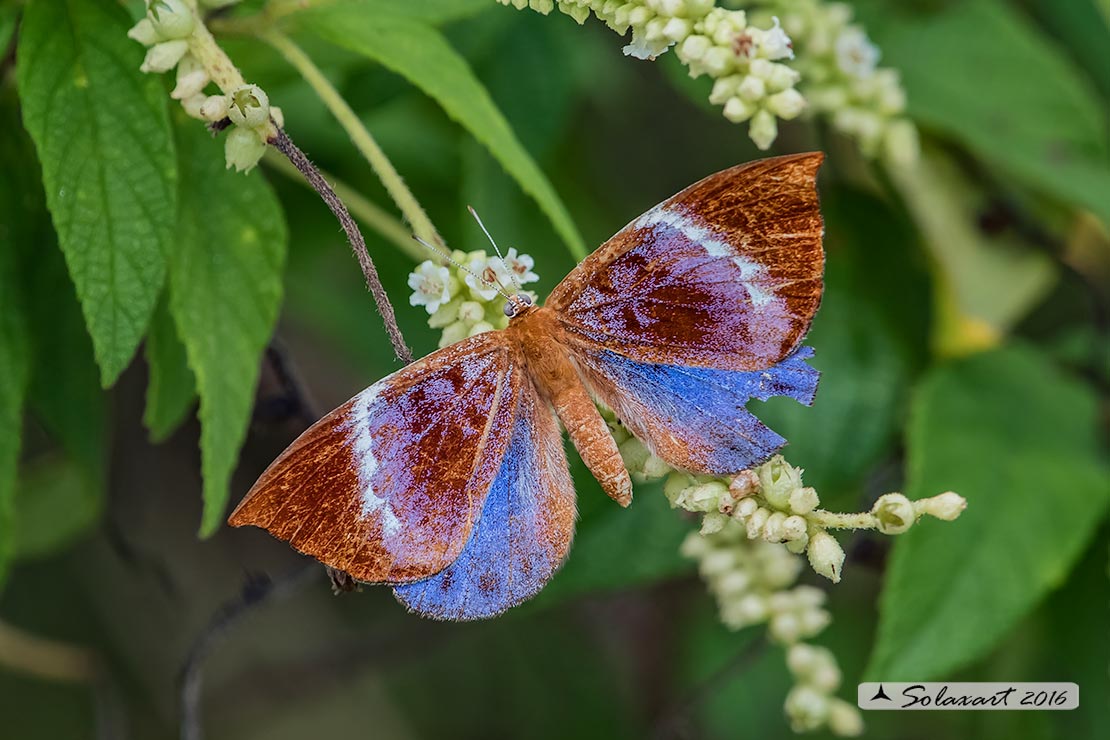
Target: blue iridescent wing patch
{"type": "Point", "coordinates": [696, 418]}
{"type": "Point", "coordinates": [523, 534]}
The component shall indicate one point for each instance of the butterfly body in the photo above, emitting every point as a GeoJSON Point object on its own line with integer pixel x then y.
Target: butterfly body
{"type": "Point", "coordinates": [543, 343]}
{"type": "Point", "coordinates": [448, 480]}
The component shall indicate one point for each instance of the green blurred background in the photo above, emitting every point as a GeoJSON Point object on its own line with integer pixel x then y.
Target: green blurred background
{"type": "Point", "coordinates": [1012, 101]}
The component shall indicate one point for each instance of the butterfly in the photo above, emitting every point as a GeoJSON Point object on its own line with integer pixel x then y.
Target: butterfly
{"type": "Point", "coordinates": [448, 480]}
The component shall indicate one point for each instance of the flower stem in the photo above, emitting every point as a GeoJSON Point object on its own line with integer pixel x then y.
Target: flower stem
{"type": "Point", "coordinates": [363, 141]}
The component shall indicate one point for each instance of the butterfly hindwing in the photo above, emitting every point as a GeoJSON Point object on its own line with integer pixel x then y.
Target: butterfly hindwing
{"type": "Point", "coordinates": [695, 418]}
{"type": "Point", "coordinates": [524, 531]}
{"type": "Point", "coordinates": [726, 274]}
{"type": "Point", "coordinates": [389, 485]}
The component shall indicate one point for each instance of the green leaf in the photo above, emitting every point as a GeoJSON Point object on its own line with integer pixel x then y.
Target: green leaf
{"type": "Point", "coordinates": [225, 291]}
{"type": "Point", "coordinates": [9, 14]}
{"type": "Point", "coordinates": [421, 54]}
{"type": "Point", "coordinates": [171, 389]}
{"type": "Point", "coordinates": [103, 138]}
{"type": "Point", "coordinates": [1024, 108]}
{"type": "Point", "coordinates": [1020, 441]}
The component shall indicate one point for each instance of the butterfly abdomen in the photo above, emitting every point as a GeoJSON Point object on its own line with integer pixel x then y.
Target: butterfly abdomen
{"type": "Point", "coordinates": [537, 332]}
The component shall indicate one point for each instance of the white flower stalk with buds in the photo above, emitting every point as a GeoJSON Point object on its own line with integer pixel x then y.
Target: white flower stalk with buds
{"type": "Point", "coordinates": [841, 78]}
{"type": "Point", "coordinates": [176, 38]}
{"type": "Point", "coordinates": [745, 60]}
{"type": "Point", "coordinates": [770, 60]}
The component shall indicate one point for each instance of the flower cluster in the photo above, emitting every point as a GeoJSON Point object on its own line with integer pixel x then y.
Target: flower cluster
{"type": "Point", "coordinates": [755, 583]}
{"type": "Point", "coordinates": [744, 59]}
{"type": "Point", "coordinates": [832, 72]}
{"type": "Point", "coordinates": [174, 37]}
{"type": "Point", "coordinates": [812, 703]}
{"type": "Point", "coordinates": [841, 77]}
{"type": "Point", "coordinates": [462, 300]}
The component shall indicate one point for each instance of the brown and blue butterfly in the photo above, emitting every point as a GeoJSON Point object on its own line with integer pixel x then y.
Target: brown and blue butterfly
{"type": "Point", "coordinates": [448, 480]}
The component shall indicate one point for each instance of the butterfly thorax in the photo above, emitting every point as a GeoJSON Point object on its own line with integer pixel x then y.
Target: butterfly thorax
{"type": "Point", "coordinates": [541, 340]}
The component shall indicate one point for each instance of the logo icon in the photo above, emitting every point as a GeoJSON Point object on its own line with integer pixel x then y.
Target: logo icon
{"type": "Point", "coordinates": [880, 694]}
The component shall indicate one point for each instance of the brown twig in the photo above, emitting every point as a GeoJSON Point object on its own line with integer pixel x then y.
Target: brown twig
{"type": "Point", "coordinates": [292, 152]}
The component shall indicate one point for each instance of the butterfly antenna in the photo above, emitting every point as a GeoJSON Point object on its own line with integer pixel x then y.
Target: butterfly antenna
{"type": "Point", "coordinates": [462, 267]}
{"type": "Point", "coordinates": [482, 226]}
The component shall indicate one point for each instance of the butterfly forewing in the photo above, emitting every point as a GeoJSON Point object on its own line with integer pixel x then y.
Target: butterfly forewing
{"type": "Point", "coordinates": [388, 486]}
{"type": "Point", "coordinates": [523, 534]}
{"type": "Point", "coordinates": [725, 274]}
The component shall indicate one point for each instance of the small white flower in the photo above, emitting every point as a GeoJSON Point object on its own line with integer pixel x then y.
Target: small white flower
{"type": "Point", "coordinates": [431, 285]}
{"type": "Point", "coordinates": [855, 54]}
{"type": "Point", "coordinates": [492, 274]}
{"type": "Point", "coordinates": [775, 43]}
{"type": "Point", "coordinates": [521, 265]}
{"type": "Point", "coordinates": [826, 556]}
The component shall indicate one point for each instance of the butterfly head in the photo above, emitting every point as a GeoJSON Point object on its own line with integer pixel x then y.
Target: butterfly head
{"type": "Point", "coordinates": [517, 304]}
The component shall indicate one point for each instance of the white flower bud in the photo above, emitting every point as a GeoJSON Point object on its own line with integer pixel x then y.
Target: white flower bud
{"type": "Point", "coordinates": [808, 597]}
{"type": "Point", "coordinates": [723, 89]}
{"type": "Point", "coordinates": [738, 111]}
{"type": "Point", "coordinates": [781, 77]}
{"type": "Point", "coordinates": [773, 529]}
{"type": "Point", "coordinates": [542, 6]}
{"type": "Point", "coordinates": [735, 583]}
{"type": "Point", "coordinates": [191, 78]}
{"type": "Point", "coordinates": [844, 719]}
{"type": "Point", "coordinates": [813, 621]}
{"type": "Point", "coordinates": [794, 527]}
{"type": "Point", "coordinates": [578, 12]}
{"type": "Point", "coordinates": [675, 485]}
{"type": "Point", "coordinates": [447, 313]}
{"type": "Point", "coordinates": [781, 572]}
{"type": "Point", "coordinates": [745, 508]}
{"type": "Point", "coordinates": [825, 677]}
{"type": "Point", "coordinates": [249, 106]}
{"type": "Point", "coordinates": [801, 659]}
{"type": "Point", "coordinates": [243, 148]}
{"type": "Point", "coordinates": [803, 500]}
{"type": "Point", "coordinates": [703, 497]}
{"type": "Point", "coordinates": [752, 608]}
{"type": "Point", "coordinates": [786, 104]}
{"type": "Point", "coordinates": [471, 312]}
{"type": "Point", "coordinates": [756, 522]}
{"type": "Point", "coordinates": [694, 48]}
{"type": "Point", "coordinates": [826, 556]}
{"type": "Point", "coordinates": [214, 108]}
{"type": "Point", "coordinates": [893, 513]}
{"type": "Point", "coordinates": [947, 506]}
{"type": "Point", "coordinates": [172, 19]}
{"type": "Point", "coordinates": [164, 56]}
{"type": "Point", "coordinates": [676, 29]}
{"type": "Point", "coordinates": [806, 707]}
{"type": "Point", "coordinates": [762, 68]}
{"type": "Point", "coordinates": [480, 328]}
{"type": "Point", "coordinates": [718, 60]}
{"type": "Point", "coordinates": [455, 332]}
{"type": "Point", "coordinates": [144, 33]}
{"type": "Point", "coordinates": [655, 467]}
{"type": "Point", "coordinates": [778, 479]}
{"type": "Point", "coordinates": [751, 89]}
{"type": "Point", "coordinates": [192, 106]}
{"type": "Point", "coordinates": [785, 628]}
{"type": "Point", "coordinates": [763, 129]}
{"type": "Point", "coordinates": [712, 523]}
{"type": "Point", "coordinates": [634, 454]}
{"type": "Point", "coordinates": [717, 563]}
